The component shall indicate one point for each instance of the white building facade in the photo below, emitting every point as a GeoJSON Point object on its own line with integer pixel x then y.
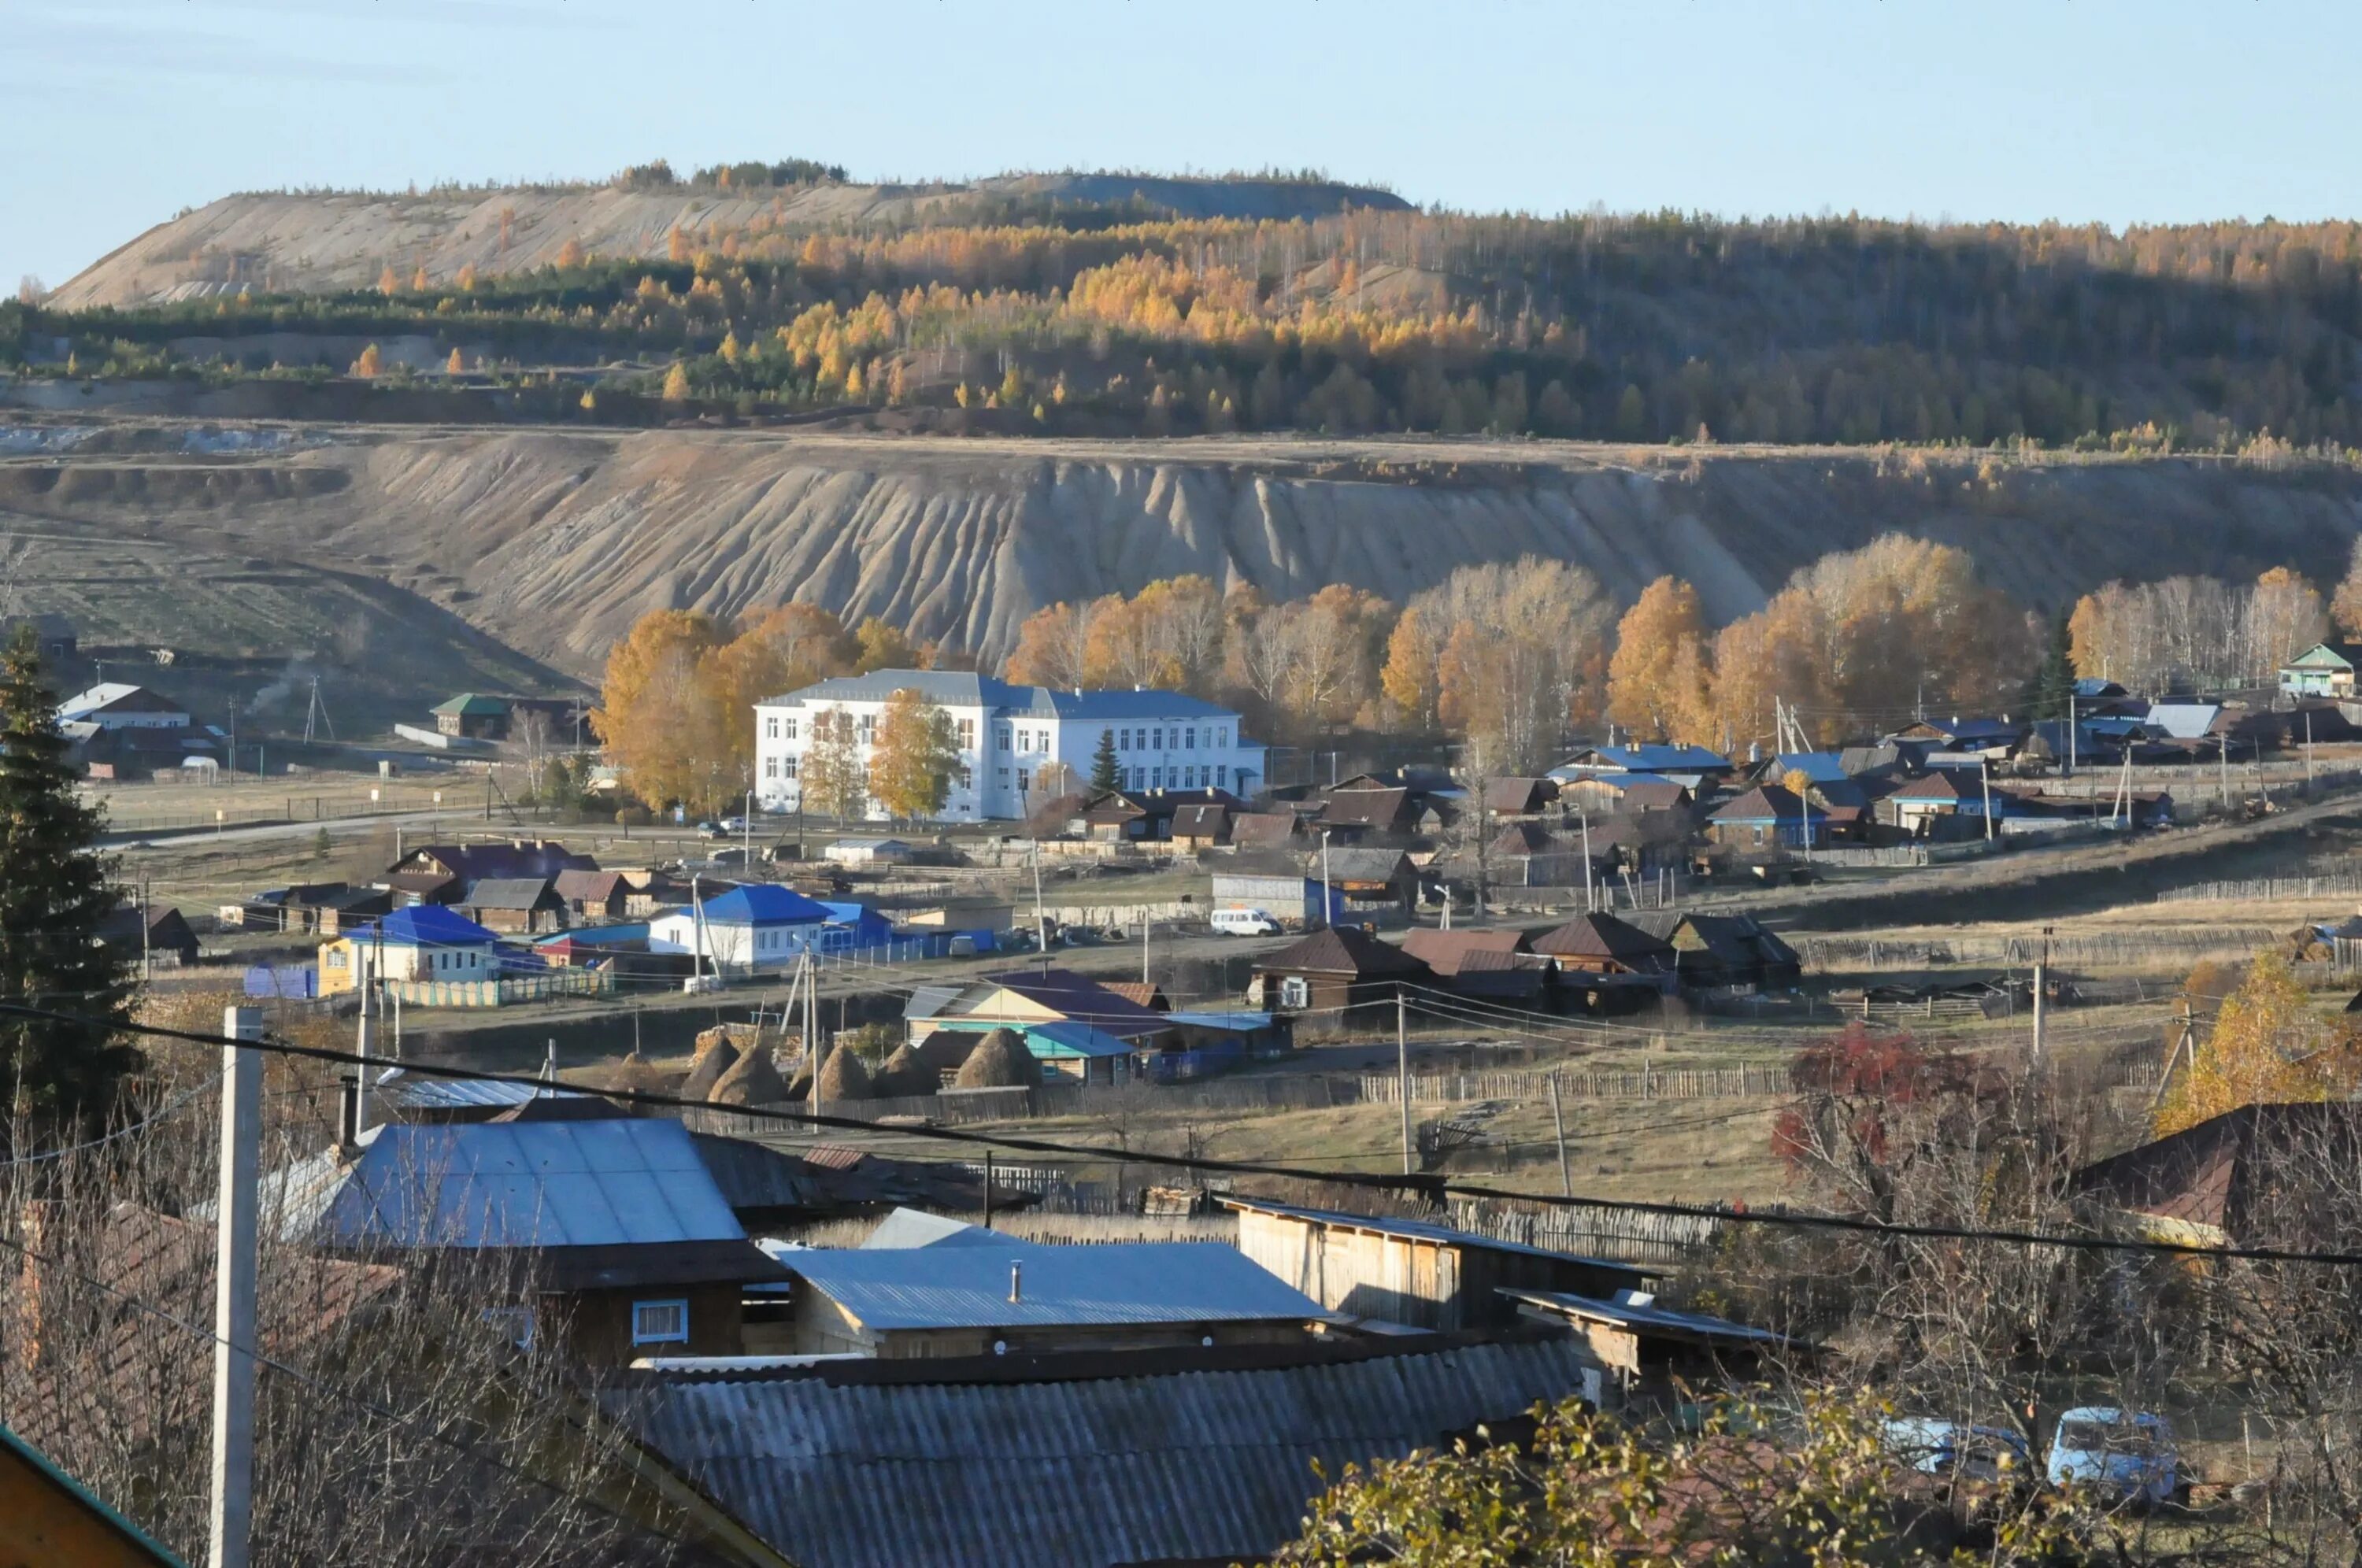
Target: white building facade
{"type": "Point", "coordinates": [1008, 735]}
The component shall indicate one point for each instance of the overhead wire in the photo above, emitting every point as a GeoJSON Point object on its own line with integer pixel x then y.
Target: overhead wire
{"type": "Point", "coordinates": [1428, 1185]}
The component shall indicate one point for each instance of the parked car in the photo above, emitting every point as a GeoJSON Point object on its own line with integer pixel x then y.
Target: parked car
{"type": "Point", "coordinates": [709, 830]}
{"type": "Point", "coordinates": [1243, 922]}
{"type": "Point", "coordinates": [1958, 1451]}
{"type": "Point", "coordinates": [2127, 1456]}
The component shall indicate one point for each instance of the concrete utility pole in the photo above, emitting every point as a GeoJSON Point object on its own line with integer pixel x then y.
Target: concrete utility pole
{"type": "Point", "coordinates": [1328, 899]}
{"type": "Point", "coordinates": [1558, 1120]}
{"type": "Point", "coordinates": [1402, 1069]}
{"type": "Point", "coordinates": [2308, 750]}
{"type": "Point", "coordinates": [1984, 781]}
{"type": "Point", "coordinates": [1143, 949]}
{"type": "Point", "coordinates": [1589, 901]}
{"type": "Point", "coordinates": [2041, 983]}
{"type": "Point", "coordinates": [2222, 765]}
{"type": "Point", "coordinates": [241, 1170]}
{"type": "Point", "coordinates": [1041, 925]}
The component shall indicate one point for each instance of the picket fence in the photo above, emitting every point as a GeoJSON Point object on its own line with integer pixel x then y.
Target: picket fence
{"type": "Point", "coordinates": [2321, 886]}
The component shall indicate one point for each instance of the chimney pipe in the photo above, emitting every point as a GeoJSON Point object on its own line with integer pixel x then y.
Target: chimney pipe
{"type": "Point", "coordinates": [1015, 1281]}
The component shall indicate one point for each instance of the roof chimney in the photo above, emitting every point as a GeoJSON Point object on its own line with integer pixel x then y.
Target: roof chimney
{"type": "Point", "coordinates": [1016, 1280]}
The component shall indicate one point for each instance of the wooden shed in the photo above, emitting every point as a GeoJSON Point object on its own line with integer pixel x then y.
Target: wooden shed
{"type": "Point", "coordinates": [1411, 1271]}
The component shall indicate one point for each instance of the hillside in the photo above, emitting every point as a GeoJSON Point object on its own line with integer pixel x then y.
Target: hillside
{"type": "Point", "coordinates": [330, 242]}
{"type": "Point", "coordinates": [549, 544]}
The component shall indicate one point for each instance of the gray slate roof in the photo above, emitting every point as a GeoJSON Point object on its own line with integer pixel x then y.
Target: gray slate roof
{"type": "Point", "coordinates": [966, 688]}
{"type": "Point", "coordinates": [862, 1466]}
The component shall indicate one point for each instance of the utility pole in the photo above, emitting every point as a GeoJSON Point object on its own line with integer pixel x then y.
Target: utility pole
{"type": "Point", "coordinates": [2041, 983]}
{"type": "Point", "coordinates": [1143, 949]}
{"type": "Point", "coordinates": [2308, 751]}
{"type": "Point", "coordinates": [2222, 765]}
{"type": "Point", "coordinates": [1402, 1069]}
{"type": "Point", "coordinates": [1984, 781]}
{"type": "Point", "coordinates": [2185, 1044]}
{"type": "Point", "coordinates": [746, 822]}
{"type": "Point", "coordinates": [1041, 925]}
{"type": "Point", "coordinates": [1328, 898]}
{"type": "Point", "coordinates": [1589, 901]}
{"type": "Point", "coordinates": [146, 961]}
{"type": "Point", "coordinates": [234, 1293]}
{"type": "Point", "coordinates": [1558, 1122]}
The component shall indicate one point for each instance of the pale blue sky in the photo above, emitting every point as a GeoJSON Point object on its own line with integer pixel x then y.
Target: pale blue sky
{"type": "Point", "coordinates": [115, 113]}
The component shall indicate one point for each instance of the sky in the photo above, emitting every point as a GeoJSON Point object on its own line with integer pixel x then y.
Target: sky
{"type": "Point", "coordinates": [116, 114]}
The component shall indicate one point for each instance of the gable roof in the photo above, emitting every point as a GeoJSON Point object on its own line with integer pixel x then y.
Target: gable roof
{"type": "Point", "coordinates": [1344, 950]}
{"type": "Point", "coordinates": [1353, 865]}
{"type": "Point", "coordinates": [1940, 784]}
{"type": "Point", "coordinates": [1251, 830]}
{"type": "Point", "coordinates": [2184, 720]}
{"type": "Point", "coordinates": [472, 704]}
{"type": "Point", "coordinates": [1519, 797]}
{"type": "Point", "coordinates": [2323, 656]}
{"type": "Point", "coordinates": [1366, 808]}
{"type": "Point", "coordinates": [1445, 951]}
{"type": "Point", "coordinates": [1654, 758]}
{"type": "Point", "coordinates": [591, 886]}
{"type": "Point", "coordinates": [1819, 766]}
{"type": "Point", "coordinates": [1604, 935]}
{"type": "Point", "coordinates": [763, 903]}
{"type": "Point", "coordinates": [1524, 838]}
{"type": "Point", "coordinates": [1070, 1461]}
{"type": "Point", "coordinates": [116, 697]}
{"type": "Point", "coordinates": [966, 688]}
{"type": "Point", "coordinates": [508, 893]}
{"type": "Point", "coordinates": [424, 925]}
{"type": "Point", "coordinates": [2208, 1174]}
{"type": "Point", "coordinates": [1764, 803]}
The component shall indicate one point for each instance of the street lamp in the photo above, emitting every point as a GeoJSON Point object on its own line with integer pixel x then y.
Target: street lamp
{"type": "Point", "coordinates": [1325, 896]}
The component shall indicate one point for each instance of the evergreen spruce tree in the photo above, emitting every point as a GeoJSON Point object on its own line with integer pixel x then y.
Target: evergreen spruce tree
{"type": "Point", "coordinates": [1105, 774]}
{"type": "Point", "coordinates": [2050, 692]}
{"type": "Point", "coordinates": [54, 898]}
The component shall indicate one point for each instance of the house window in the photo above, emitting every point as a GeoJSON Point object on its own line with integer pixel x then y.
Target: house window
{"type": "Point", "coordinates": [792, 728]}
{"type": "Point", "coordinates": [868, 728]}
{"type": "Point", "coordinates": [1189, 738]}
{"type": "Point", "coordinates": [1221, 737]}
{"type": "Point", "coordinates": [515, 1323]}
{"type": "Point", "coordinates": [967, 729]}
{"type": "Point", "coordinates": [1003, 774]}
{"type": "Point", "coordinates": [1156, 742]}
{"type": "Point", "coordinates": [787, 767]}
{"type": "Point", "coordinates": [770, 768]}
{"type": "Point", "coordinates": [1000, 737]}
{"type": "Point", "coordinates": [1023, 779]}
{"type": "Point", "coordinates": [659, 1322]}
{"type": "Point", "coordinates": [966, 778]}
{"type": "Point", "coordinates": [770, 726]}
{"type": "Point", "coordinates": [1221, 776]}
{"type": "Point", "coordinates": [1295, 991]}
{"type": "Point", "coordinates": [1123, 740]}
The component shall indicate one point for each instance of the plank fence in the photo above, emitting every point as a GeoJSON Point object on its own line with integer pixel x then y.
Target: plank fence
{"type": "Point", "coordinates": [1662, 1240]}
{"type": "Point", "coordinates": [2337, 884]}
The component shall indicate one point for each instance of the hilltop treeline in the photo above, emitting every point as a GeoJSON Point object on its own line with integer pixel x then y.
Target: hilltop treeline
{"type": "Point", "coordinates": [1656, 327]}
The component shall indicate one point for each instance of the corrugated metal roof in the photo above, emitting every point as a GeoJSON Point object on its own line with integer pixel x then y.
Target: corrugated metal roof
{"type": "Point", "coordinates": [526, 1184]}
{"type": "Point", "coordinates": [396, 1088]}
{"type": "Point", "coordinates": [1421, 1230]}
{"type": "Point", "coordinates": [837, 1471]}
{"type": "Point", "coordinates": [968, 1286]}
{"type": "Point", "coordinates": [1646, 1315]}
{"type": "Point", "coordinates": [908, 1228]}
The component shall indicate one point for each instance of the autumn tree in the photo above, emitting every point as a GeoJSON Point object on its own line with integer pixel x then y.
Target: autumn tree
{"type": "Point", "coordinates": [388, 282]}
{"type": "Point", "coordinates": [1054, 647]}
{"type": "Point", "coordinates": [455, 364]}
{"type": "Point", "coordinates": [781, 651]}
{"type": "Point", "coordinates": [571, 253]}
{"type": "Point", "coordinates": [2267, 1046]}
{"type": "Point", "coordinates": [834, 778]}
{"type": "Point", "coordinates": [372, 361]}
{"type": "Point", "coordinates": [914, 757]}
{"type": "Point", "coordinates": [676, 383]}
{"type": "Point", "coordinates": [2284, 617]}
{"type": "Point", "coordinates": [657, 715]}
{"type": "Point", "coordinates": [884, 645]}
{"type": "Point", "coordinates": [1523, 658]}
{"type": "Point", "coordinates": [1657, 680]}
{"type": "Point", "coordinates": [1312, 663]}
{"type": "Point", "coordinates": [1408, 679]}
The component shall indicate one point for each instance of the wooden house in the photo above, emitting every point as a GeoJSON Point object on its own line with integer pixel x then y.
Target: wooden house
{"type": "Point", "coordinates": [590, 896]}
{"type": "Point", "coordinates": [1342, 978]}
{"type": "Point", "coordinates": [1716, 952]}
{"type": "Point", "coordinates": [1411, 1272]}
{"type": "Point", "coordinates": [515, 905]}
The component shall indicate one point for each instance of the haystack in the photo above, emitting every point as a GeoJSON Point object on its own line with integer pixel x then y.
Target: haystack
{"type": "Point", "coordinates": [844, 1075]}
{"type": "Point", "coordinates": [753, 1079]}
{"type": "Point", "coordinates": [1000, 1061]}
{"type": "Point", "coordinates": [715, 1057]}
{"type": "Point", "coordinates": [636, 1074]}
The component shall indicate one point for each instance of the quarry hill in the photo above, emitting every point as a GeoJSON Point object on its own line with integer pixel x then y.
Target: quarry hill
{"type": "Point", "coordinates": [543, 545]}
{"type": "Point", "coordinates": [317, 242]}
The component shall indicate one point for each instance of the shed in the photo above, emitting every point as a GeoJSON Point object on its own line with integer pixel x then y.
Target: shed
{"type": "Point", "coordinates": [869, 852]}
{"type": "Point", "coordinates": [167, 939]}
{"type": "Point", "coordinates": [1411, 1271]}
{"type": "Point", "coordinates": [529, 905]}
{"type": "Point", "coordinates": [472, 717]}
{"type": "Point", "coordinates": [1652, 1355]}
{"type": "Point", "coordinates": [1294, 901]}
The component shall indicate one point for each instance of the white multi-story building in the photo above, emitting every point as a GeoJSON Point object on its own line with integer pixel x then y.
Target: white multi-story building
{"type": "Point", "coordinates": [1009, 734]}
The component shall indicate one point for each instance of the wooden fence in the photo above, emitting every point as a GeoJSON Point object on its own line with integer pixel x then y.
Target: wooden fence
{"type": "Point", "coordinates": [2338, 884]}
{"type": "Point", "coordinates": [1647, 1083]}
{"type": "Point", "coordinates": [1665, 1240]}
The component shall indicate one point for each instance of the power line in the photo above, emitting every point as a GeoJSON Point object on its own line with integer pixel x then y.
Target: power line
{"type": "Point", "coordinates": [1426, 1185]}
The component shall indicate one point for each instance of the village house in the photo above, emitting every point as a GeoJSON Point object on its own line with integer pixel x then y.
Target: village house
{"type": "Point", "coordinates": [1374, 883]}
{"type": "Point", "coordinates": [425, 942]}
{"type": "Point", "coordinates": [472, 717]}
{"type": "Point", "coordinates": [612, 1227]}
{"type": "Point", "coordinates": [592, 896]}
{"type": "Point", "coordinates": [1411, 1272]}
{"type": "Point", "coordinates": [116, 705]}
{"type": "Point", "coordinates": [1719, 951]}
{"type": "Point", "coordinates": [1338, 979]}
{"type": "Point", "coordinates": [1203, 825]}
{"type": "Point", "coordinates": [515, 905]}
{"type": "Point", "coordinates": [923, 1286]}
{"type": "Point", "coordinates": [1605, 793]}
{"type": "Point", "coordinates": [1690, 767]}
{"type": "Point", "coordinates": [2257, 1176]}
{"type": "Point", "coordinates": [1073, 1026]}
{"type": "Point", "coordinates": [1770, 816]}
{"type": "Point", "coordinates": [442, 873]}
{"type": "Point", "coordinates": [744, 931]}
{"type": "Point", "coordinates": [1520, 797]}
{"type": "Point", "coordinates": [1603, 944]}
{"type": "Point", "coordinates": [869, 851]}
{"type": "Point", "coordinates": [1010, 738]}
{"type": "Point", "coordinates": [2324, 669]}
{"type": "Point", "coordinates": [158, 935]}
{"type": "Point", "coordinates": [1367, 807]}
{"type": "Point", "coordinates": [1527, 855]}
{"type": "Point", "coordinates": [1944, 803]}
{"type": "Point", "coordinates": [1992, 738]}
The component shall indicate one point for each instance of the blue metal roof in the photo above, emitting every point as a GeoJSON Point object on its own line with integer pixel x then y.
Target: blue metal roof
{"type": "Point", "coordinates": [427, 926]}
{"type": "Point", "coordinates": [1068, 1040]}
{"type": "Point", "coordinates": [526, 1184]}
{"type": "Point", "coordinates": [1160, 1462]}
{"type": "Point", "coordinates": [1424, 1230]}
{"type": "Point", "coordinates": [908, 1228]}
{"type": "Point", "coordinates": [1820, 767]}
{"type": "Point", "coordinates": [2183, 720]}
{"type": "Point", "coordinates": [1128, 1282]}
{"type": "Point", "coordinates": [1243, 1020]}
{"type": "Point", "coordinates": [763, 903]}
{"type": "Point", "coordinates": [1652, 758]}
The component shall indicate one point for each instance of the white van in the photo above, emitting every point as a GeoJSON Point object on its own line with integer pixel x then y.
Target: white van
{"type": "Point", "coordinates": [1243, 922]}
